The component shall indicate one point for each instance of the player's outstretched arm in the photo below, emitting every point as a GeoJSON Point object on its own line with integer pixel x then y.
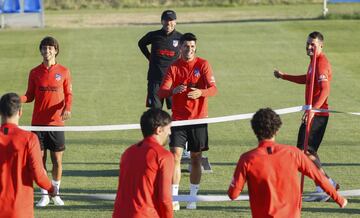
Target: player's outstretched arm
{"type": "Point", "coordinates": [278, 74]}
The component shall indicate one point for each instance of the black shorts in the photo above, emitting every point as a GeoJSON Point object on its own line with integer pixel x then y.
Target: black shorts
{"type": "Point", "coordinates": [195, 135]}
{"type": "Point", "coordinates": [53, 140]}
{"type": "Point", "coordinates": [317, 132]}
{"type": "Point", "coordinates": [152, 99]}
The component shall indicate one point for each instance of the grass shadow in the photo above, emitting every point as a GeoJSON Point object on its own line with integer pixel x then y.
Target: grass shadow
{"type": "Point", "coordinates": [91, 173]}
{"type": "Point", "coordinates": [340, 164]}
{"type": "Point", "coordinates": [91, 163]}
{"type": "Point", "coordinates": [337, 211]}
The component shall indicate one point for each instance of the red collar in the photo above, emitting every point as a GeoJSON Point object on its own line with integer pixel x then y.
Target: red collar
{"type": "Point", "coordinates": [151, 140]}
{"type": "Point", "coordinates": [8, 125]}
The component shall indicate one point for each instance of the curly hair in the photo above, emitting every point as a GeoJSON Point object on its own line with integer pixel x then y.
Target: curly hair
{"type": "Point", "coordinates": [265, 123]}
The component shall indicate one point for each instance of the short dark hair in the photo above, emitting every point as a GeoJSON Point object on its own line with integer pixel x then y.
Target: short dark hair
{"type": "Point", "coordinates": [49, 41]}
{"type": "Point", "coordinates": [152, 119]}
{"type": "Point", "coordinates": [316, 35]}
{"type": "Point", "coordinates": [187, 37]}
{"type": "Point", "coordinates": [265, 123]}
{"type": "Point", "coordinates": [9, 104]}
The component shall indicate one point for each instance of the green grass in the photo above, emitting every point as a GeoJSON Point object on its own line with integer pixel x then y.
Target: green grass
{"type": "Point", "coordinates": [109, 83]}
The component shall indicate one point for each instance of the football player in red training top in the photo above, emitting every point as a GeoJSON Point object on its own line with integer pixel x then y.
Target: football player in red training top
{"type": "Point", "coordinates": [49, 86]}
{"type": "Point", "coordinates": [271, 171]}
{"type": "Point", "coordinates": [146, 170]}
{"type": "Point", "coordinates": [323, 75]}
{"type": "Point", "coordinates": [190, 82]}
{"type": "Point", "coordinates": [20, 163]}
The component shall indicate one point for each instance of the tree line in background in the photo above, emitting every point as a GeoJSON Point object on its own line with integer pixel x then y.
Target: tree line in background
{"type": "Point", "coordinates": [102, 4]}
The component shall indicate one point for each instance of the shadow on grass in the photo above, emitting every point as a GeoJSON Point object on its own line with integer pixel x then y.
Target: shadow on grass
{"type": "Point", "coordinates": [91, 173]}
{"type": "Point", "coordinates": [333, 211]}
{"type": "Point", "coordinates": [223, 208]}
{"type": "Point", "coordinates": [223, 163]}
{"type": "Point", "coordinates": [94, 206]}
{"type": "Point", "coordinates": [100, 141]}
{"type": "Point", "coordinates": [215, 192]}
{"type": "Point", "coordinates": [340, 164]}
{"type": "Point", "coordinates": [91, 163]}
{"type": "Point", "coordinates": [87, 191]}
{"type": "Point", "coordinates": [354, 201]}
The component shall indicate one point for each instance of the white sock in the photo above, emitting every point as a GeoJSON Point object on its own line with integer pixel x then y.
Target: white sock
{"type": "Point", "coordinates": [194, 188]}
{"type": "Point", "coordinates": [44, 192]}
{"type": "Point", "coordinates": [175, 191]}
{"type": "Point", "coordinates": [57, 184]}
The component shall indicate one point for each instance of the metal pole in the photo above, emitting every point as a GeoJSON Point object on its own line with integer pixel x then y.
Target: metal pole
{"type": "Point", "coordinates": [325, 9]}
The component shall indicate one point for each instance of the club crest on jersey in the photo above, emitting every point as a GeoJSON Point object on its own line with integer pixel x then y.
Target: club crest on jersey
{"type": "Point", "coordinates": [175, 43]}
{"type": "Point", "coordinates": [57, 76]}
{"type": "Point", "coordinates": [196, 72]}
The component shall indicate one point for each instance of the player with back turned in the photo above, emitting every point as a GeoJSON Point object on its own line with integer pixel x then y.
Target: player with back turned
{"type": "Point", "coordinates": [271, 171]}
{"type": "Point", "coordinates": [20, 163]}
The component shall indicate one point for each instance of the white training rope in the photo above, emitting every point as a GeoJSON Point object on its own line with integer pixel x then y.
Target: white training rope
{"type": "Point", "coordinates": [200, 198]}
{"type": "Point", "coordinates": [174, 123]}
{"type": "Point", "coordinates": [137, 126]}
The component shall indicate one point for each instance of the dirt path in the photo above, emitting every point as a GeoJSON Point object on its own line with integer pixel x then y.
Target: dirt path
{"type": "Point", "coordinates": [78, 19]}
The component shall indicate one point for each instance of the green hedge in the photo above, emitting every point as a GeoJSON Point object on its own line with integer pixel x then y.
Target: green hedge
{"type": "Point", "coordinates": [98, 4]}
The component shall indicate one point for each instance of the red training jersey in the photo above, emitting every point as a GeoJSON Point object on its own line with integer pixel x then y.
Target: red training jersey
{"type": "Point", "coordinates": [51, 89]}
{"type": "Point", "coordinates": [20, 164]}
{"type": "Point", "coordinates": [323, 75]}
{"type": "Point", "coordinates": [194, 74]}
{"type": "Point", "coordinates": [271, 171]}
{"type": "Point", "coordinates": [144, 189]}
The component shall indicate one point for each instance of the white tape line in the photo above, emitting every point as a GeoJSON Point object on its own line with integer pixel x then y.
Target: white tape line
{"type": "Point", "coordinates": [199, 198]}
{"type": "Point", "coordinates": [82, 128]}
{"type": "Point", "coordinates": [174, 123]}
{"type": "Point", "coordinates": [137, 126]}
{"type": "Point", "coordinates": [208, 198]}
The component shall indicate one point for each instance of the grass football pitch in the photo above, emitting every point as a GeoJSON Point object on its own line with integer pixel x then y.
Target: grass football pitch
{"type": "Point", "coordinates": [109, 87]}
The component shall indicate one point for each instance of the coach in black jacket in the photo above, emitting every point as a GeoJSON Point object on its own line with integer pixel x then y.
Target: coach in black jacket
{"type": "Point", "coordinates": [164, 51]}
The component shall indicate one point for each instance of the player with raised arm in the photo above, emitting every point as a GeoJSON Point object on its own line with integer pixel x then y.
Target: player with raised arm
{"type": "Point", "coordinates": [321, 91]}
